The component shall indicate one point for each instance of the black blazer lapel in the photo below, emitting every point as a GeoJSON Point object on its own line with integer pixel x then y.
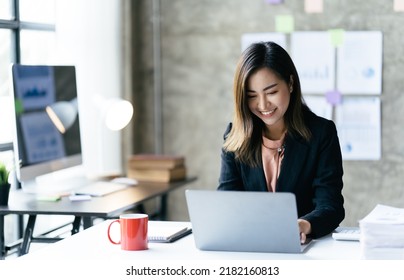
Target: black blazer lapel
{"type": "Point", "coordinates": [291, 168]}
{"type": "Point", "coordinates": [255, 179]}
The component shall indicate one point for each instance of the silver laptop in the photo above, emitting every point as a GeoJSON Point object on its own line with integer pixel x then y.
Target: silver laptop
{"type": "Point", "coordinates": [244, 221]}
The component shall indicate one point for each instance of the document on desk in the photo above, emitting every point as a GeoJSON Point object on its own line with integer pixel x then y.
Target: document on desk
{"type": "Point", "coordinates": [383, 227]}
{"type": "Point", "coordinates": [167, 233]}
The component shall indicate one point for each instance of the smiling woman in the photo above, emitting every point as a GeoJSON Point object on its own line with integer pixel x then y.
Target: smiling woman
{"type": "Point", "coordinates": [276, 143]}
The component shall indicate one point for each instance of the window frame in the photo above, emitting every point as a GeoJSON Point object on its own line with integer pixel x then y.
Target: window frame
{"type": "Point", "coordinates": [15, 25]}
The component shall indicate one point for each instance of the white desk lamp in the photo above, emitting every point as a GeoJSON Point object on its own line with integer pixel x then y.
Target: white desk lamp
{"type": "Point", "coordinates": [117, 114]}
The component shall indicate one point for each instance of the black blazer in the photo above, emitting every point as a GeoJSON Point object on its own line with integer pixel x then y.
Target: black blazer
{"type": "Point", "coordinates": [311, 170]}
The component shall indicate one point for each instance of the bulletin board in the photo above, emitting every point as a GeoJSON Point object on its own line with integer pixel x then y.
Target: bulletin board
{"type": "Point", "coordinates": [341, 78]}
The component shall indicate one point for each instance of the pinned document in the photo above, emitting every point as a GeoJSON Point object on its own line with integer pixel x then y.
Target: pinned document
{"type": "Point", "coordinates": [358, 121]}
{"type": "Point", "coordinates": [314, 58]}
{"type": "Point", "coordinates": [360, 63]}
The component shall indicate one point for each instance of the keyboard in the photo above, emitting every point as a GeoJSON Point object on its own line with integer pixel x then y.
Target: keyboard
{"type": "Point", "coordinates": [346, 233]}
{"type": "Point", "coordinates": [100, 188]}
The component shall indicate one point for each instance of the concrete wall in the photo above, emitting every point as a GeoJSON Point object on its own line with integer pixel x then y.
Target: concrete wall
{"type": "Point", "coordinates": [200, 44]}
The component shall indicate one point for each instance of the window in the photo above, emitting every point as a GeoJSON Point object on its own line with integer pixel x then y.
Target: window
{"type": "Point", "coordinates": [27, 33]}
{"type": "Point", "coordinates": [86, 34]}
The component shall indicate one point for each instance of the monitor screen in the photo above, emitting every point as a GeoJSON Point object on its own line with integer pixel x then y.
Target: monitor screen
{"type": "Point", "coordinates": [46, 120]}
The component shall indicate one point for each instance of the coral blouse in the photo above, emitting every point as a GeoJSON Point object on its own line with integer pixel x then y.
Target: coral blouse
{"type": "Point", "coordinates": [272, 155]}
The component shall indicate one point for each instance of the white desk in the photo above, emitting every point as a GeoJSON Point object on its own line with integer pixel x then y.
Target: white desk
{"type": "Point", "coordinates": [93, 244]}
{"type": "Point", "coordinates": [103, 207]}
{"type": "Point", "coordinates": [90, 255]}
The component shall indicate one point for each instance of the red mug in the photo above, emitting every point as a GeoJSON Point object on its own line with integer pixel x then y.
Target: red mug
{"type": "Point", "coordinates": [133, 231]}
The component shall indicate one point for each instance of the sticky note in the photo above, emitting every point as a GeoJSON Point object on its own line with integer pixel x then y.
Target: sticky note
{"type": "Point", "coordinates": [336, 36]}
{"type": "Point", "coordinates": [274, 1]}
{"type": "Point", "coordinates": [333, 97]}
{"type": "Point", "coordinates": [19, 108]}
{"type": "Point", "coordinates": [284, 23]}
{"type": "Point", "coordinates": [50, 198]}
{"type": "Point", "coordinates": [313, 6]}
{"type": "Point", "coordinates": [399, 5]}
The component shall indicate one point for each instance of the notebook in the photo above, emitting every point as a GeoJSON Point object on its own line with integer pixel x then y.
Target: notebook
{"type": "Point", "coordinates": [167, 232]}
{"type": "Point", "coordinates": [244, 221]}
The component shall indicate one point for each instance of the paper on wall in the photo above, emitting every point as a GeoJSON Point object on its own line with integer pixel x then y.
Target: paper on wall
{"type": "Point", "coordinates": [359, 63]}
{"type": "Point", "coordinates": [358, 121]}
{"type": "Point", "coordinates": [314, 57]}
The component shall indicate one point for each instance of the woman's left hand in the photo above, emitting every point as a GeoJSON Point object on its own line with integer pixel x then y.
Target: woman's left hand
{"type": "Point", "coordinates": [304, 228]}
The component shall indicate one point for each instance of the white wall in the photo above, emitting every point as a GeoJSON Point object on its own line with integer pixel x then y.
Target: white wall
{"type": "Point", "coordinates": [89, 37]}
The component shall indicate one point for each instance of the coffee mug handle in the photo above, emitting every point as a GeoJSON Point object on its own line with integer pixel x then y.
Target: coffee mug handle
{"type": "Point", "coordinates": [109, 236]}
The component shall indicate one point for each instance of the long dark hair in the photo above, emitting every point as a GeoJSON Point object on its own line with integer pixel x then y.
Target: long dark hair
{"type": "Point", "coordinates": [245, 137]}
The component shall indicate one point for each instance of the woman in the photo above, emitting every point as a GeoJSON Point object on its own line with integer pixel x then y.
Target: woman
{"type": "Point", "coordinates": [276, 143]}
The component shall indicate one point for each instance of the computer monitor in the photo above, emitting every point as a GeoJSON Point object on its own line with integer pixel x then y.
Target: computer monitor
{"type": "Point", "coordinates": [48, 155]}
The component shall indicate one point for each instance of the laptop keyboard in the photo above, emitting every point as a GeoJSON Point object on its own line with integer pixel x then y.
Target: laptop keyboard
{"type": "Point", "coordinates": [100, 188]}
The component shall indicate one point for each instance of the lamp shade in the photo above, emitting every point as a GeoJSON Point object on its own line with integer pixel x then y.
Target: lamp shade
{"type": "Point", "coordinates": [63, 114]}
{"type": "Point", "coordinates": [118, 113]}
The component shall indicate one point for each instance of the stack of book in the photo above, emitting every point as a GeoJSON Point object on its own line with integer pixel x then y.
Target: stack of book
{"type": "Point", "coordinates": [382, 232]}
{"type": "Point", "coordinates": [156, 168]}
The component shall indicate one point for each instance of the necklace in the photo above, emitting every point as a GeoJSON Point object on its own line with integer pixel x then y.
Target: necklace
{"type": "Point", "coordinates": [277, 145]}
{"type": "Point", "coordinates": [278, 149]}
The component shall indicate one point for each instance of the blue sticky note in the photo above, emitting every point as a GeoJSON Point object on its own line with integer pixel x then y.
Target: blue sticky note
{"type": "Point", "coordinates": [274, 1]}
{"type": "Point", "coordinates": [333, 97]}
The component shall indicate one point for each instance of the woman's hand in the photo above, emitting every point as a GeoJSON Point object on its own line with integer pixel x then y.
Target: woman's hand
{"type": "Point", "coordinates": [304, 228]}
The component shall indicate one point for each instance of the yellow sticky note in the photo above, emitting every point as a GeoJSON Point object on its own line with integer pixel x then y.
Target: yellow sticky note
{"type": "Point", "coordinates": [284, 23]}
{"type": "Point", "coordinates": [399, 5]}
{"type": "Point", "coordinates": [336, 37]}
{"type": "Point", "coordinates": [313, 6]}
